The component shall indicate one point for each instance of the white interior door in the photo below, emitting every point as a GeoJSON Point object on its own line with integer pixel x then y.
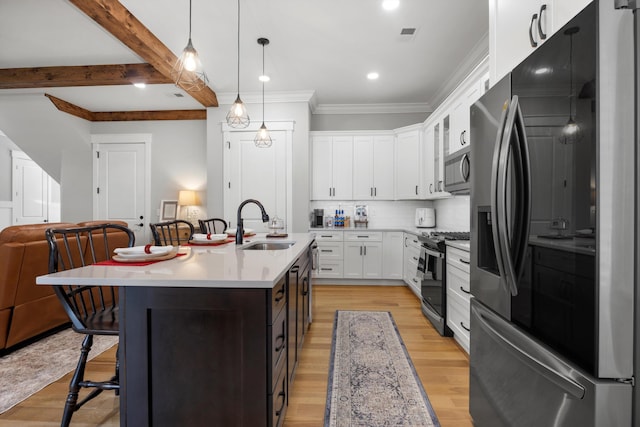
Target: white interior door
{"type": "Point", "coordinates": [255, 173]}
{"type": "Point", "coordinates": [120, 173]}
{"type": "Point", "coordinates": [36, 196]}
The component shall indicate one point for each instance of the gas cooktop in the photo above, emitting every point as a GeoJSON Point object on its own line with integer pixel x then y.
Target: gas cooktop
{"type": "Point", "coordinates": [436, 239]}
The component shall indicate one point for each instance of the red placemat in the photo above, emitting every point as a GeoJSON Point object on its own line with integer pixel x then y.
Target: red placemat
{"type": "Point", "coordinates": [223, 242]}
{"type": "Point", "coordinates": [132, 264]}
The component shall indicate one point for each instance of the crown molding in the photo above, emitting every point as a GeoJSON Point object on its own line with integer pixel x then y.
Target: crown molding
{"type": "Point", "coordinates": [476, 56]}
{"type": "Point", "coordinates": [390, 108]}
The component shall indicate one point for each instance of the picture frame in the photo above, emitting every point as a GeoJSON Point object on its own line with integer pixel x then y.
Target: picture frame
{"type": "Point", "coordinates": [168, 210]}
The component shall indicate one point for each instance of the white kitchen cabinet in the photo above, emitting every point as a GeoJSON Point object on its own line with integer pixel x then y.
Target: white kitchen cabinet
{"type": "Point", "coordinates": [458, 295]}
{"type": "Point", "coordinates": [331, 168]}
{"type": "Point", "coordinates": [516, 28]}
{"type": "Point", "coordinates": [373, 167]}
{"type": "Point", "coordinates": [362, 255]}
{"type": "Point", "coordinates": [438, 134]}
{"type": "Point", "coordinates": [460, 134]}
{"type": "Point", "coordinates": [411, 256]}
{"type": "Point", "coordinates": [392, 254]}
{"type": "Point", "coordinates": [330, 254]}
{"type": "Point", "coordinates": [409, 164]}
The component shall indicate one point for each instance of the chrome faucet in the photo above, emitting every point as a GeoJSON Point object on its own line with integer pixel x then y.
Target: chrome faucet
{"type": "Point", "coordinates": [240, 228]}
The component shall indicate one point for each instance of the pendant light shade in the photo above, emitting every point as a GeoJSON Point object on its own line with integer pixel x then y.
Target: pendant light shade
{"type": "Point", "coordinates": [187, 71]}
{"type": "Point", "coordinates": [262, 139]}
{"type": "Point", "coordinates": [237, 117]}
{"type": "Point", "coordinates": [571, 131]}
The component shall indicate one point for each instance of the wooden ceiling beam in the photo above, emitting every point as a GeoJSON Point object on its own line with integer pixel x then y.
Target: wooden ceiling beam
{"type": "Point", "coordinates": [81, 75]}
{"type": "Point", "coordinates": [121, 23]}
{"type": "Point", "coordinates": [125, 116]}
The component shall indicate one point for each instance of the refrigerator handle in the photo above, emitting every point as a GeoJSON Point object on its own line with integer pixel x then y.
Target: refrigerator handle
{"type": "Point", "coordinates": [496, 190]}
{"type": "Point", "coordinates": [524, 215]}
{"type": "Point", "coordinates": [527, 351]}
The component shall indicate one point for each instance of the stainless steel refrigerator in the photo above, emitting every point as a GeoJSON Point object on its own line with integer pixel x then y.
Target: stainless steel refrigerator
{"type": "Point", "coordinates": [552, 232]}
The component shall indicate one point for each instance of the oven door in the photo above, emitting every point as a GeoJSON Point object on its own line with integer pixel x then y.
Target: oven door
{"type": "Point", "coordinates": [431, 271]}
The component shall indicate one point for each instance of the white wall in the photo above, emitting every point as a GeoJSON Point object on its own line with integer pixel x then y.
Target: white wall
{"type": "Point", "coordinates": [453, 213]}
{"type": "Point", "coordinates": [298, 112]}
{"type": "Point", "coordinates": [389, 213]}
{"type": "Point", "coordinates": [178, 156]}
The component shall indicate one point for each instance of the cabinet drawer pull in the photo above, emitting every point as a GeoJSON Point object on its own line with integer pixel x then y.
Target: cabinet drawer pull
{"type": "Point", "coordinates": [363, 237]}
{"type": "Point", "coordinates": [532, 41]}
{"type": "Point", "coordinates": [280, 346]}
{"type": "Point", "coordinates": [279, 410]}
{"type": "Point", "coordinates": [416, 190]}
{"type": "Point", "coordinates": [326, 269]}
{"type": "Point", "coordinates": [464, 290]}
{"type": "Point", "coordinates": [279, 295]}
{"type": "Point", "coordinates": [414, 281]}
{"type": "Point", "coordinates": [464, 327]}
{"type": "Point", "coordinates": [326, 250]}
{"type": "Point", "coordinates": [414, 258]}
{"type": "Point", "coordinates": [327, 237]}
{"type": "Point", "coordinates": [464, 261]}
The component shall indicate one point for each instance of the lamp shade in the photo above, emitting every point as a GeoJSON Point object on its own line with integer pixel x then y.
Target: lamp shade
{"type": "Point", "coordinates": [187, 198]}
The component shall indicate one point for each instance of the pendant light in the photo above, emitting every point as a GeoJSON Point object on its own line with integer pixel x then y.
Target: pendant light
{"type": "Point", "coordinates": [237, 117]}
{"type": "Point", "coordinates": [262, 139]}
{"type": "Point", "coordinates": [571, 129]}
{"type": "Point", "coordinates": [187, 71]}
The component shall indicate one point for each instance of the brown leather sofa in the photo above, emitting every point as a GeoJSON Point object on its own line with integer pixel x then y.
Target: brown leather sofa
{"type": "Point", "coordinates": [27, 309]}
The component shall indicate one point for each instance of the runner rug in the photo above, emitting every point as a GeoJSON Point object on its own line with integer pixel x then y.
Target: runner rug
{"type": "Point", "coordinates": [30, 369]}
{"type": "Point", "coordinates": [372, 381]}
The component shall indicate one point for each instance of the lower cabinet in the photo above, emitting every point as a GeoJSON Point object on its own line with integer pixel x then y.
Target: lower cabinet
{"type": "Point", "coordinates": [458, 295]}
{"type": "Point", "coordinates": [392, 254]}
{"type": "Point", "coordinates": [330, 254]}
{"type": "Point", "coordinates": [193, 355]}
{"type": "Point", "coordinates": [363, 255]}
{"type": "Point", "coordinates": [411, 254]}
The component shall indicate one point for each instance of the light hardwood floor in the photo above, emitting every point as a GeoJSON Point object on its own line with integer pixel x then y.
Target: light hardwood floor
{"type": "Point", "coordinates": [442, 366]}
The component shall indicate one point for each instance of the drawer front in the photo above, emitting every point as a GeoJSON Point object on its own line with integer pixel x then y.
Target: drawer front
{"type": "Point", "coordinates": [278, 298]}
{"type": "Point", "coordinates": [323, 236]}
{"type": "Point", "coordinates": [278, 400]}
{"type": "Point", "coordinates": [278, 346]}
{"type": "Point", "coordinates": [330, 269]}
{"type": "Point", "coordinates": [366, 236]}
{"type": "Point", "coordinates": [327, 250]}
{"type": "Point", "coordinates": [411, 241]}
{"type": "Point", "coordinates": [458, 258]}
{"type": "Point", "coordinates": [458, 283]}
{"type": "Point", "coordinates": [458, 316]}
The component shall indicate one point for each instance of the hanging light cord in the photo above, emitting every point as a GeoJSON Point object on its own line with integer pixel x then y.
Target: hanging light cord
{"type": "Point", "coordinates": [238, 47]}
{"type": "Point", "coordinates": [189, 19]}
{"type": "Point", "coordinates": [263, 84]}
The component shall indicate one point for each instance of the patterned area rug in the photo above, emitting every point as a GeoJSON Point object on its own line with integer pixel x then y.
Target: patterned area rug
{"type": "Point", "coordinates": [30, 369]}
{"type": "Point", "coordinates": [372, 381]}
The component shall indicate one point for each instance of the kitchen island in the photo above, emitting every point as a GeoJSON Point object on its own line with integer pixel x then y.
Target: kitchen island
{"type": "Point", "coordinates": [210, 337]}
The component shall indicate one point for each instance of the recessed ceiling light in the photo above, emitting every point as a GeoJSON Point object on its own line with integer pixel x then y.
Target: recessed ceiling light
{"type": "Point", "coordinates": [140, 85]}
{"type": "Point", "coordinates": [264, 78]}
{"type": "Point", "coordinates": [373, 75]}
{"type": "Point", "coordinates": [390, 4]}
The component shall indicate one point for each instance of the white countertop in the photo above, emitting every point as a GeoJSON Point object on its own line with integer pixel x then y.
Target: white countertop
{"type": "Point", "coordinates": [224, 266]}
{"type": "Point", "coordinates": [408, 229]}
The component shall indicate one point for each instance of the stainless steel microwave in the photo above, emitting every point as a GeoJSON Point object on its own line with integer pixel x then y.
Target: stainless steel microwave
{"type": "Point", "coordinates": [457, 172]}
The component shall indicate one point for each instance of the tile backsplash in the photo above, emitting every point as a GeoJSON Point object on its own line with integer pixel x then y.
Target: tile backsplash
{"type": "Point", "coordinates": [451, 213]}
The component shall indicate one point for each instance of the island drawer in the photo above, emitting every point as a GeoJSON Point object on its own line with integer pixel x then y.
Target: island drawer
{"type": "Point", "coordinates": [278, 298]}
{"type": "Point", "coordinates": [278, 401]}
{"type": "Point", "coordinates": [278, 341]}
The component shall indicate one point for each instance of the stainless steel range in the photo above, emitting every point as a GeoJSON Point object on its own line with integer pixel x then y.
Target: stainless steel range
{"type": "Point", "coordinates": [432, 271]}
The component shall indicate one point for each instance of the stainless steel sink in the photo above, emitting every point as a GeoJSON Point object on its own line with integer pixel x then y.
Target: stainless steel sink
{"type": "Point", "coordinates": [268, 246]}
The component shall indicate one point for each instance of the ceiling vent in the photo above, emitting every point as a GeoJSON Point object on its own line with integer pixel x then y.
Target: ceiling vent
{"type": "Point", "coordinates": [407, 31]}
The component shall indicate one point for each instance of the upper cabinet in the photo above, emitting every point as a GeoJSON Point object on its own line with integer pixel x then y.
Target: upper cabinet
{"type": "Point", "coordinates": [332, 167]}
{"type": "Point", "coordinates": [373, 167]}
{"type": "Point", "coordinates": [516, 28]}
{"type": "Point", "coordinates": [409, 164]}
